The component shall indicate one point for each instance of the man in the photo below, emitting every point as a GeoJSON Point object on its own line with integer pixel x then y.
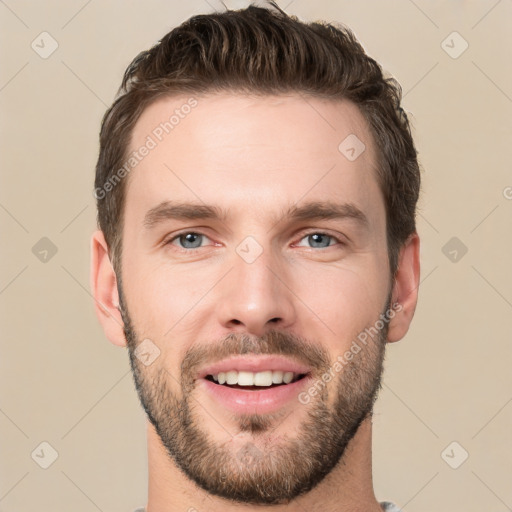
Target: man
{"type": "Point", "coordinates": [256, 190]}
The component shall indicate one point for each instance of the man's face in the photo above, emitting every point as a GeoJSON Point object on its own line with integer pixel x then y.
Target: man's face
{"type": "Point", "coordinates": [255, 283]}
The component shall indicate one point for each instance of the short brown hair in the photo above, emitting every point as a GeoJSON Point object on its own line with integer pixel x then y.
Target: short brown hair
{"type": "Point", "coordinates": [263, 51]}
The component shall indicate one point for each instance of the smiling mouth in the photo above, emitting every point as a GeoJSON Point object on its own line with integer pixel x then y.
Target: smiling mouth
{"type": "Point", "coordinates": [276, 379]}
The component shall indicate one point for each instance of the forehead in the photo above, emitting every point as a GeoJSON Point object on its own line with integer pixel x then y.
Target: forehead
{"type": "Point", "coordinates": [250, 152]}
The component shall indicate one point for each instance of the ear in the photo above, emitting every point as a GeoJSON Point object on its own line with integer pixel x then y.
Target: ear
{"type": "Point", "coordinates": [405, 289]}
{"type": "Point", "coordinates": [103, 283]}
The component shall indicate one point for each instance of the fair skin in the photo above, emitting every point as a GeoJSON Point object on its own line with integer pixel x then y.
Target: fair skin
{"type": "Point", "coordinates": [255, 157]}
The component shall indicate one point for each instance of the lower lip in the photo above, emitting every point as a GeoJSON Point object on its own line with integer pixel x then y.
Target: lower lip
{"type": "Point", "coordinates": [255, 402]}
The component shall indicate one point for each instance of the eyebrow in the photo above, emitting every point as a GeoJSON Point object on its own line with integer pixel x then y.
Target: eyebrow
{"type": "Point", "coordinates": [316, 210]}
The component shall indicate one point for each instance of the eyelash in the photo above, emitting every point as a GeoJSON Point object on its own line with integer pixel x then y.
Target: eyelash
{"type": "Point", "coordinates": [183, 233]}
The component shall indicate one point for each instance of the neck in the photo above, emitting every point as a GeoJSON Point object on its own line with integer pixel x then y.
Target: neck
{"type": "Point", "coordinates": [349, 486]}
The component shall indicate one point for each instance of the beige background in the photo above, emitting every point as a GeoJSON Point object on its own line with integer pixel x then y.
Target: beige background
{"type": "Point", "coordinates": [63, 383]}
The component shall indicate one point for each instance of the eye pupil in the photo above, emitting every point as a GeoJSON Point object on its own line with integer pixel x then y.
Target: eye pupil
{"type": "Point", "coordinates": [317, 237]}
{"type": "Point", "coordinates": [190, 238]}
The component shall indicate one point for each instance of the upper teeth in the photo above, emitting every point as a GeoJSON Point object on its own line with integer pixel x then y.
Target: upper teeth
{"type": "Point", "coordinates": [243, 378]}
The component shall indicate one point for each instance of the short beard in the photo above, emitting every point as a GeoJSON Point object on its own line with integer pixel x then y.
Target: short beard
{"type": "Point", "coordinates": [263, 472]}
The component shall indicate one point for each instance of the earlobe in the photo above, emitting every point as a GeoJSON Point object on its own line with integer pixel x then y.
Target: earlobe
{"type": "Point", "coordinates": [103, 284]}
{"type": "Point", "coordinates": [405, 289]}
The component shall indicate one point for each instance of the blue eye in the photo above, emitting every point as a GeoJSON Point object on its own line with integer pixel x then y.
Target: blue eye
{"type": "Point", "coordinates": [191, 240]}
{"type": "Point", "coordinates": [319, 238]}
{"type": "Point", "coordinates": [189, 237]}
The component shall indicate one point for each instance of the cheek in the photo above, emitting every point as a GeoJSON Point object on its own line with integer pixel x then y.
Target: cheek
{"type": "Point", "coordinates": [167, 301]}
{"type": "Point", "coordinates": [346, 298]}
{"type": "Point", "coordinates": [157, 297]}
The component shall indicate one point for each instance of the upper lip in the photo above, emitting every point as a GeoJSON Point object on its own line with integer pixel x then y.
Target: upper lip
{"type": "Point", "coordinates": [253, 364]}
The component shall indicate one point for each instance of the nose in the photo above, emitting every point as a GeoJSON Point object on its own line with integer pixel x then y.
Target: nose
{"type": "Point", "coordinates": [256, 297]}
